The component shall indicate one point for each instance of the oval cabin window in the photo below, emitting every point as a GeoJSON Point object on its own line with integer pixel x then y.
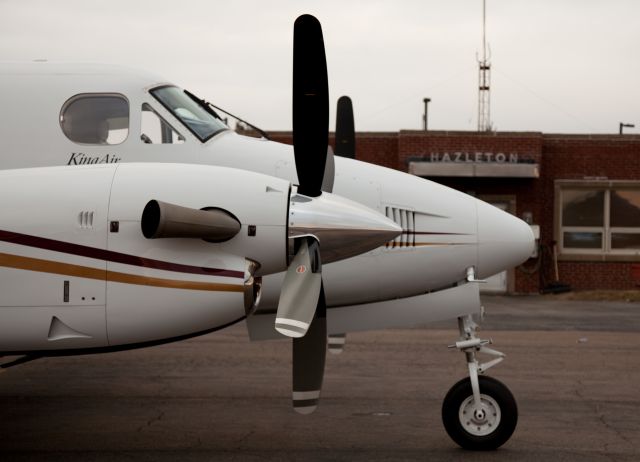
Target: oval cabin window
{"type": "Point", "coordinates": [96, 119]}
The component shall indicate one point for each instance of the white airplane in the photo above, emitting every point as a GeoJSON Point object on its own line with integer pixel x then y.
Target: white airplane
{"type": "Point", "coordinates": [132, 215]}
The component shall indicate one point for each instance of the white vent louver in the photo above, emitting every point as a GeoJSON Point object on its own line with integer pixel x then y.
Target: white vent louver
{"type": "Point", "coordinates": [85, 220]}
{"type": "Point", "coordinates": [406, 219]}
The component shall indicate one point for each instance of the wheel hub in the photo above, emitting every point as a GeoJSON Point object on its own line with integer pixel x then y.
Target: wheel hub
{"type": "Point", "coordinates": [482, 421]}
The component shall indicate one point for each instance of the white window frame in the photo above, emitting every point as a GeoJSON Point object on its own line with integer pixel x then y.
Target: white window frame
{"type": "Point", "coordinates": [162, 120]}
{"type": "Point", "coordinates": [80, 96]}
{"type": "Point", "coordinates": [605, 252]}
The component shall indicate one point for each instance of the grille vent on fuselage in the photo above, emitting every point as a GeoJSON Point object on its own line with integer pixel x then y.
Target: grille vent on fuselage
{"type": "Point", "coordinates": [406, 220]}
{"type": "Point", "coordinates": [85, 220]}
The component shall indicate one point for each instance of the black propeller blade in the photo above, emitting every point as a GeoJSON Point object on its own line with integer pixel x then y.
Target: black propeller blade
{"type": "Point", "coordinates": [309, 354]}
{"type": "Point", "coordinates": [345, 129]}
{"type": "Point", "coordinates": [301, 312]}
{"type": "Point", "coordinates": [301, 286]}
{"type": "Point", "coordinates": [310, 105]}
{"type": "Point", "coordinates": [302, 307]}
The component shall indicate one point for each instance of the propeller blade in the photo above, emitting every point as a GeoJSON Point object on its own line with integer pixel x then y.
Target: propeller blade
{"type": "Point", "coordinates": [309, 354]}
{"type": "Point", "coordinates": [336, 343]}
{"type": "Point", "coordinates": [302, 306]}
{"type": "Point", "coordinates": [329, 172]}
{"type": "Point", "coordinates": [300, 291]}
{"type": "Point", "coordinates": [310, 105]}
{"type": "Point", "coordinates": [345, 129]}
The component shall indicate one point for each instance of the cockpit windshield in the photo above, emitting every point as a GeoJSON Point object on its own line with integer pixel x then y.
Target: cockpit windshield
{"type": "Point", "coordinates": [198, 119]}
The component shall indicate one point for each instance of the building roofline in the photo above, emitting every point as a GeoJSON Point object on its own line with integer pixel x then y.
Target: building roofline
{"type": "Point", "coordinates": [470, 133]}
{"type": "Point", "coordinates": [593, 136]}
{"type": "Point", "coordinates": [474, 133]}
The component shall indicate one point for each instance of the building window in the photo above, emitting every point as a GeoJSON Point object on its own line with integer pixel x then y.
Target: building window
{"type": "Point", "coordinates": [599, 218]}
{"type": "Point", "coordinates": [92, 118]}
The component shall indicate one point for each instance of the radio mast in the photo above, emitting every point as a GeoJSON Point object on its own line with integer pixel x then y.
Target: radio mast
{"type": "Point", "coordinates": [484, 81]}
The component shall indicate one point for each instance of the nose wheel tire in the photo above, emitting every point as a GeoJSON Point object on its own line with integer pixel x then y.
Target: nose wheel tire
{"type": "Point", "coordinates": [487, 427]}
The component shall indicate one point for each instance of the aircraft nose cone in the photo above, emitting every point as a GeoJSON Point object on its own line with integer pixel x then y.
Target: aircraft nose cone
{"type": "Point", "coordinates": [504, 241]}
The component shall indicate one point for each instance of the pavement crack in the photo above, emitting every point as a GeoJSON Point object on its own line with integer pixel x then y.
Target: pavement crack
{"type": "Point", "coordinates": [244, 438]}
{"type": "Point", "coordinates": [151, 421]}
{"type": "Point", "coordinates": [601, 418]}
{"type": "Point", "coordinates": [608, 426]}
{"type": "Point", "coordinates": [577, 390]}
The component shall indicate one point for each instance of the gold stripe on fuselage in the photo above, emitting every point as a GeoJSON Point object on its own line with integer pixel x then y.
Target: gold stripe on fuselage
{"type": "Point", "coordinates": [391, 244]}
{"type": "Point", "coordinates": [67, 269]}
{"type": "Point", "coordinates": [419, 244]}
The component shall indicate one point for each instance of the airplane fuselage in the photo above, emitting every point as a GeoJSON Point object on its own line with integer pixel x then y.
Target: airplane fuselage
{"type": "Point", "coordinates": [445, 232]}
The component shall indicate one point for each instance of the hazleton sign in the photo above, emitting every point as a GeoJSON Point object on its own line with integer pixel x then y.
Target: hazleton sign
{"type": "Point", "coordinates": [474, 164]}
{"type": "Point", "coordinates": [484, 157]}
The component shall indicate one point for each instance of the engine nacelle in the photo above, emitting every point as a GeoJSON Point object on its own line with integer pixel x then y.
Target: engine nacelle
{"type": "Point", "coordinates": [126, 254]}
{"type": "Point", "coordinates": [77, 272]}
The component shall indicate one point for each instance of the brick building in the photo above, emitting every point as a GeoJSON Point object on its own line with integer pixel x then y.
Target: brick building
{"type": "Point", "coordinates": [583, 191]}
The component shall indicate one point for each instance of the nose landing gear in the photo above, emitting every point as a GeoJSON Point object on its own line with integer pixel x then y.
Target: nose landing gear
{"type": "Point", "coordinates": [479, 413]}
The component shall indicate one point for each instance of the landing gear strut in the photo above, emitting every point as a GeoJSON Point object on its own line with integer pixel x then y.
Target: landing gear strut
{"type": "Point", "coordinates": [478, 413]}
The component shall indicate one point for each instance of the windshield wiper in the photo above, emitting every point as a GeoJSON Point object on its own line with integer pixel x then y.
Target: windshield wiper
{"type": "Point", "coordinates": [209, 107]}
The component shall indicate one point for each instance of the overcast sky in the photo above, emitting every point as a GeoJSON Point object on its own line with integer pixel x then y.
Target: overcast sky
{"type": "Point", "coordinates": [569, 66]}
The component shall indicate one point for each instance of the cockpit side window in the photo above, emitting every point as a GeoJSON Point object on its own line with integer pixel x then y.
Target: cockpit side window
{"type": "Point", "coordinates": [94, 118]}
{"type": "Point", "coordinates": [155, 130]}
{"type": "Point", "coordinates": [199, 120]}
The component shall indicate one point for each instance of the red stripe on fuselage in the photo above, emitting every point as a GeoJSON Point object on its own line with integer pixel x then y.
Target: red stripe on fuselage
{"type": "Point", "coordinates": [108, 255]}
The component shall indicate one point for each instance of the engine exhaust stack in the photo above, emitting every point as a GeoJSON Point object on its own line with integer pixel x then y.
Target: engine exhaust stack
{"type": "Point", "coordinates": [163, 220]}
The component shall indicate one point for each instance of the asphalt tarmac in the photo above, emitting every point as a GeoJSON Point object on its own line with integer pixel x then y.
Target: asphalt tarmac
{"type": "Point", "coordinates": [574, 368]}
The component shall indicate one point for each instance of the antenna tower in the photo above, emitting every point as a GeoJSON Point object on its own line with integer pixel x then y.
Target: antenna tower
{"type": "Point", "coordinates": [484, 81]}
